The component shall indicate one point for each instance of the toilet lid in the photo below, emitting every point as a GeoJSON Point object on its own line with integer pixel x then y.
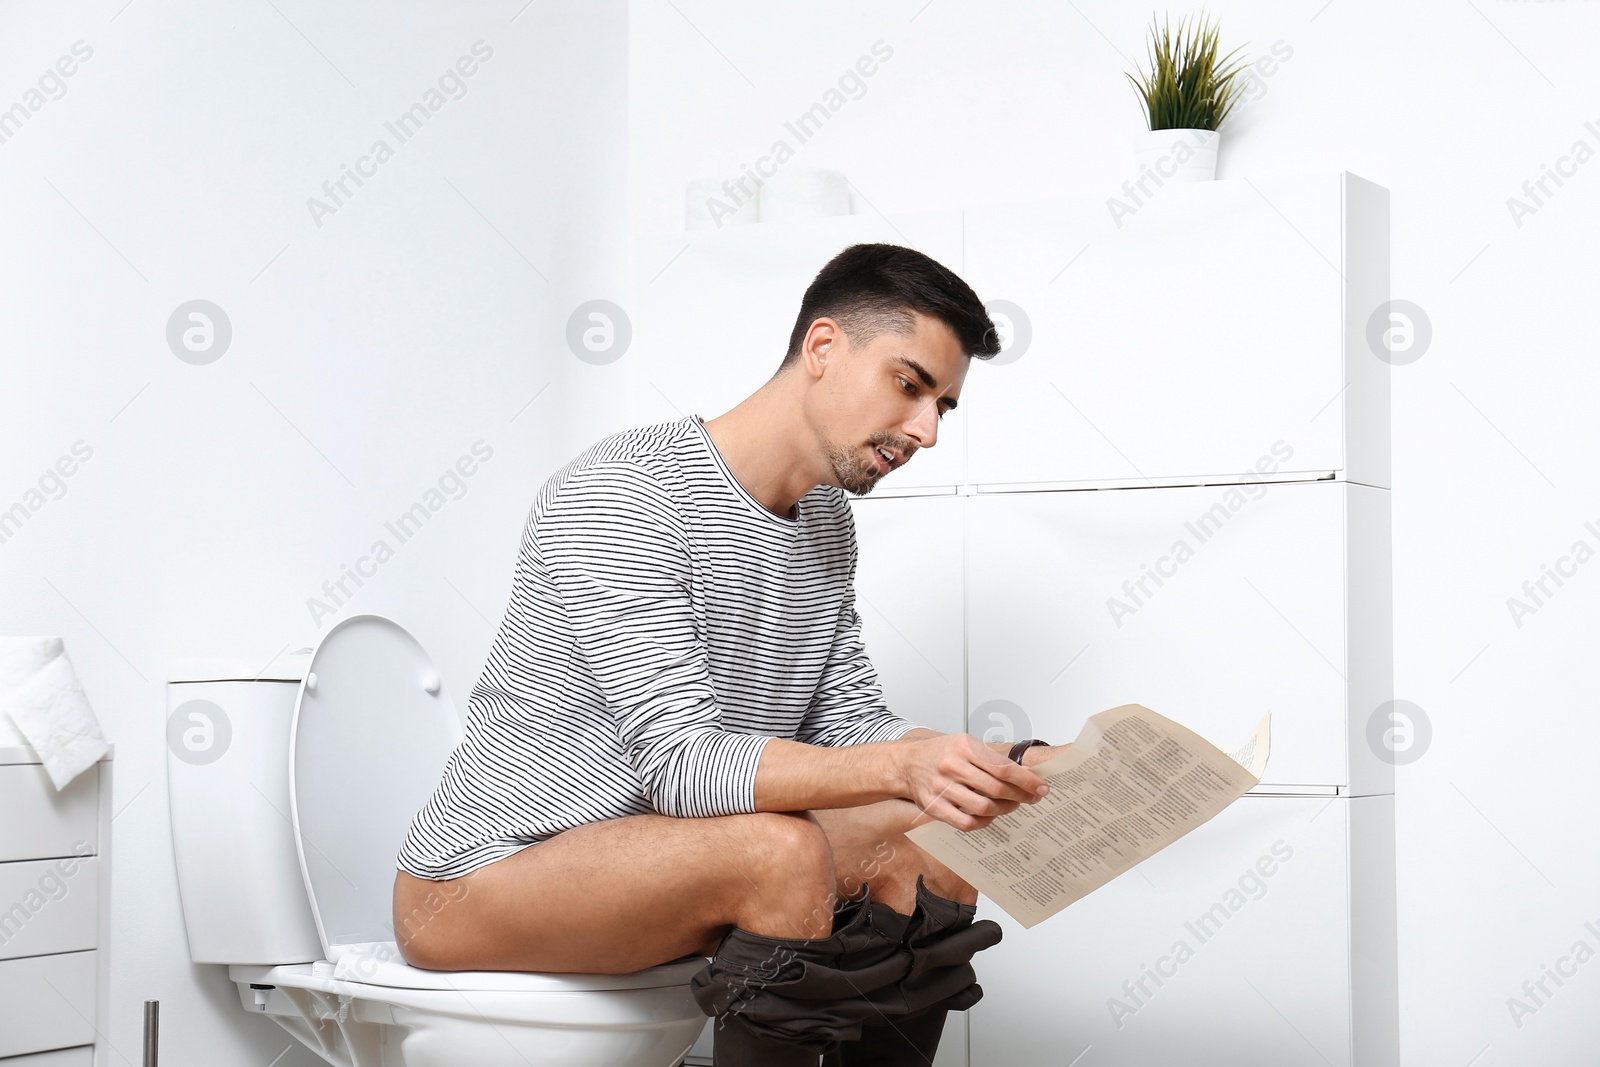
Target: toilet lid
{"type": "Point", "coordinates": [373, 727]}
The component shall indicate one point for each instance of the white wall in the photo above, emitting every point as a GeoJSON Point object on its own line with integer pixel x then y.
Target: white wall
{"type": "Point", "coordinates": [368, 354]}
{"type": "Point", "coordinates": [1452, 106]}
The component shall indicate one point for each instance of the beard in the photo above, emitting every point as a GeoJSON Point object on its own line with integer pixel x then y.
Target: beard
{"type": "Point", "coordinates": [856, 470]}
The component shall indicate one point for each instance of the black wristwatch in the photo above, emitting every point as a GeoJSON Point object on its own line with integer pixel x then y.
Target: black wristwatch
{"type": "Point", "coordinates": [1022, 746]}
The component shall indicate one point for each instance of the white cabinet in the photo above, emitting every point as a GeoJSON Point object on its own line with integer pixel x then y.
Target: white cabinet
{"type": "Point", "coordinates": [1169, 489]}
{"type": "Point", "coordinates": [1184, 341]}
{"type": "Point", "coordinates": [54, 907]}
{"type": "Point", "coordinates": [1210, 604]}
{"type": "Point", "coordinates": [1237, 944]}
{"type": "Point", "coordinates": [712, 312]}
{"type": "Point", "coordinates": [909, 591]}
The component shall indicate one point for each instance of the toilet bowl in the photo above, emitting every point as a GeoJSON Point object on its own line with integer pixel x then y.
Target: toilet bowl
{"type": "Point", "coordinates": [397, 1014]}
{"type": "Point", "coordinates": [290, 789]}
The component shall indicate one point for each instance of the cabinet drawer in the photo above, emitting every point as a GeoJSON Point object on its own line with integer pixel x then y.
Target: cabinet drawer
{"type": "Point", "coordinates": [48, 906]}
{"type": "Point", "coordinates": [82, 1056]}
{"type": "Point", "coordinates": [1209, 604]}
{"type": "Point", "coordinates": [1260, 337]}
{"type": "Point", "coordinates": [40, 822]}
{"type": "Point", "coordinates": [49, 1003]}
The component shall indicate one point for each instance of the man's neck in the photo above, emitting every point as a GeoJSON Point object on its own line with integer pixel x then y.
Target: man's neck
{"type": "Point", "coordinates": [769, 449]}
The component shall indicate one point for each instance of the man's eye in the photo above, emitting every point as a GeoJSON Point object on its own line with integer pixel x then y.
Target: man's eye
{"type": "Point", "coordinates": [911, 389]}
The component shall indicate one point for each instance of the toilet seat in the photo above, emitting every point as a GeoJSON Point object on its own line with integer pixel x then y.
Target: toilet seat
{"type": "Point", "coordinates": [379, 964]}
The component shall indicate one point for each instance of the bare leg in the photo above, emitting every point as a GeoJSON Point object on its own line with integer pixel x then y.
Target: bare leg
{"type": "Point", "coordinates": [623, 894]}
{"type": "Point", "coordinates": [869, 845]}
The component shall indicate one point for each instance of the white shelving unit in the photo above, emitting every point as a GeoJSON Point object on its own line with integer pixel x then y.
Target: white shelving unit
{"type": "Point", "coordinates": [1172, 489]}
{"type": "Point", "coordinates": [55, 898]}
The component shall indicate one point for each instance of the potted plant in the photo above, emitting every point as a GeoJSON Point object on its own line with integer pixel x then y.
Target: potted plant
{"type": "Point", "coordinates": [1186, 95]}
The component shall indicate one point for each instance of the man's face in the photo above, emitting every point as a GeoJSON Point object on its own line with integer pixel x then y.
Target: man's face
{"type": "Point", "coordinates": [887, 394]}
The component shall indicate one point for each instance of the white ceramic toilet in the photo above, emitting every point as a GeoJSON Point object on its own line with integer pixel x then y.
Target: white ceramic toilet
{"type": "Point", "coordinates": [290, 791]}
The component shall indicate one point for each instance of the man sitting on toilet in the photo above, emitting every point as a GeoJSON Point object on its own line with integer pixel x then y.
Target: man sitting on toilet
{"type": "Point", "coordinates": [678, 744]}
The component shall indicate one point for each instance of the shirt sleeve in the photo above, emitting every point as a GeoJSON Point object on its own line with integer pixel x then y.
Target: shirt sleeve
{"type": "Point", "coordinates": [848, 707]}
{"type": "Point", "coordinates": [616, 550]}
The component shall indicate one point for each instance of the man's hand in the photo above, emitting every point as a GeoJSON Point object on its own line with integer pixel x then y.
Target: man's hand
{"type": "Point", "coordinates": [960, 780]}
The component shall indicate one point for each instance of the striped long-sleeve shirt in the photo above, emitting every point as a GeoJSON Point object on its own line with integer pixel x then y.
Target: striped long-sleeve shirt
{"type": "Point", "coordinates": [663, 627]}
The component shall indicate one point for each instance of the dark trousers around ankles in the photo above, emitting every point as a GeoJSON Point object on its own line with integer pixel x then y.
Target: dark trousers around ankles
{"type": "Point", "coordinates": [873, 993]}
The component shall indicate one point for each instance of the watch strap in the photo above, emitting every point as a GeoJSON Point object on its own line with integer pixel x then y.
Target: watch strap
{"type": "Point", "coordinates": [1015, 755]}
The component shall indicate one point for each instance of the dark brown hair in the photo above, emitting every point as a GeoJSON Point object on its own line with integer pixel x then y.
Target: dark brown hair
{"type": "Point", "coordinates": [872, 289]}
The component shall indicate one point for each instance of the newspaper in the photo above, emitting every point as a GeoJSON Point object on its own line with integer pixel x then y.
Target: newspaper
{"type": "Point", "coordinates": [1130, 785]}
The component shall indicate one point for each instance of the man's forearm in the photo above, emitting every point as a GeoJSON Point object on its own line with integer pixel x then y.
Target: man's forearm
{"type": "Point", "coordinates": [793, 776]}
{"type": "Point", "coordinates": [1030, 756]}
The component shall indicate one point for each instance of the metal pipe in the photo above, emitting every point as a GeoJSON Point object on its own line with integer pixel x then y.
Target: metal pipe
{"type": "Point", "coordinates": [152, 1032]}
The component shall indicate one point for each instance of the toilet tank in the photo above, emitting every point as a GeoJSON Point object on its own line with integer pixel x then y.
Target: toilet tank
{"type": "Point", "coordinates": [244, 898]}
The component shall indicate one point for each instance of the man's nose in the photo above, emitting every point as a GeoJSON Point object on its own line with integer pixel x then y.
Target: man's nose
{"type": "Point", "coordinates": [924, 426]}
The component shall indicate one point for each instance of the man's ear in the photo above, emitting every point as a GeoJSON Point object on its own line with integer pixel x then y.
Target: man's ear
{"type": "Point", "coordinates": [820, 341]}
{"type": "Point", "coordinates": [823, 343]}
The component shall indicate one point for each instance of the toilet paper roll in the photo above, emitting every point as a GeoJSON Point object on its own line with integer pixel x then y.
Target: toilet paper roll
{"type": "Point", "coordinates": [41, 694]}
{"type": "Point", "coordinates": [714, 203]}
{"type": "Point", "coordinates": [804, 194]}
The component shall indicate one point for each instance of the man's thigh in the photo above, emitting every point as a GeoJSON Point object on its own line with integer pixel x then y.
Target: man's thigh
{"type": "Point", "coordinates": [869, 846]}
{"type": "Point", "coordinates": [608, 897]}
{"type": "Point", "coordinates": [625, 894]}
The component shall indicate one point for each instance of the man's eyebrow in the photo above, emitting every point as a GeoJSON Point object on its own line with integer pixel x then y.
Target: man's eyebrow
{"type": "Point", "coordinates": [927, 379]}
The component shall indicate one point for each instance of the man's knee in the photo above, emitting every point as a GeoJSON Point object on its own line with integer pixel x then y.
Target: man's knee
{"type": "Point", "coordinates": [894, 862]}
{"type": "Point", "coordinates": [794, 842]}
{"type": "Point", "coordinates": [938, 878]}
{"type": "Point", "coordinates": [785, 883]}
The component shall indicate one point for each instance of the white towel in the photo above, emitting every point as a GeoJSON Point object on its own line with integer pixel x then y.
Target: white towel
{"type": "Point", "coordinates": [42, 695]}
{"type": "Point", "coordinates": [804, 194]}
{"type": "Point", "coordinates": [714, 203]}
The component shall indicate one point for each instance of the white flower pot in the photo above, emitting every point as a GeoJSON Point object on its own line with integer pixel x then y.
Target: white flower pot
{"type": "Point", "coordinates": [1177, 155]}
